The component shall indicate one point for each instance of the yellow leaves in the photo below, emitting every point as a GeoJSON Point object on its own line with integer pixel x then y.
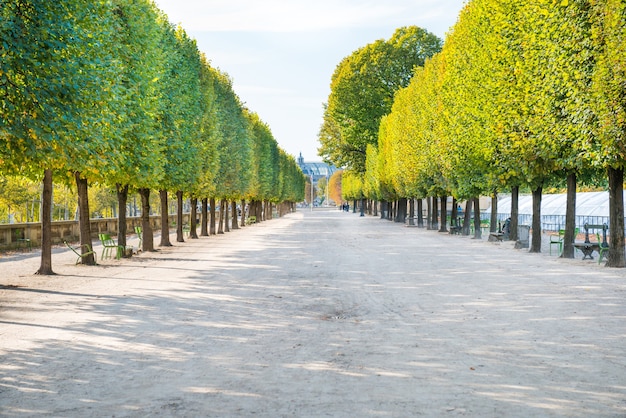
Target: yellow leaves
{"type": "Point", "coordinates": [565, 3]}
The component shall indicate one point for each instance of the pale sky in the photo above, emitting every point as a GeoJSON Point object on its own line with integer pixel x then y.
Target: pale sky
{"type": "Point", "coordinates": [281, 54]}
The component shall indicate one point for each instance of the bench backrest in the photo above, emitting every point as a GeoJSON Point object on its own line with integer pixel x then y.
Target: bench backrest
{"type": "Point", "coordinates": [603, 227]}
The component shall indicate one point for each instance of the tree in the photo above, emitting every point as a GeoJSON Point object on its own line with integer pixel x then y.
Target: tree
{"type": "Point", "coordinates": [56, 85]}
{"type": "Point", "coordinates": [180, 115]}
{"type": "Point", "coordinates": [362, 92]}
{"type": "Point", "coordinates": [136, 161]}
{"type": "Point", "coordinates": [15, 194]}
{"type": "Point", "coordinates": [609, 76]}
{"type": "Point", "coordinates": [334, 187]}
{"type": "Point", "coordinates": [234, 171]}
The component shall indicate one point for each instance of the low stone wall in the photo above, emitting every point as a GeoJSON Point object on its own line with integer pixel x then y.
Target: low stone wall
{"type": "Point", "coordinates": [10, 234]}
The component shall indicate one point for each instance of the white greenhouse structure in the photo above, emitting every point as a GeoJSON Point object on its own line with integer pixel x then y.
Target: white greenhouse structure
{"type": "Point", "coordinates": [591, 208]}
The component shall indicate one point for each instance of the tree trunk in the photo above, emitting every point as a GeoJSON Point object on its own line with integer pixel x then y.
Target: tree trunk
{"type": "Point", "coordinates": [146, 227]}
{"type": "Point", "coordinates": [383, 209]}
{"type": "Point", "coordinates": [493, 220]}
{"type": "Point", "coordinates": [401, 212]}
{"type": "Point", "coordinates": [362, 207]}
{"type": "Point", "coordinates": [454, 213]}
{"type": "Point", "coordinates": [122, 200]}
{"type": "Point", "coordinates": [204, 231]}
{"type": "Point", "coordinates": [165, 219]}
{"type": "Point", "coordinates": [45, 268]}
{"type": "Point", "coordinates": [354, 206]}
{"type": "Point", "coordinates": [243, 213]}
{"type": "Point", "coordinates": [235, 224]}
{"type": "Point", "coordinates": [467, 217]}
{"type": "Point", "coordinates": [535, 245]}
{"type": "Point", "coordinates": [258, 211]}
{"type": "Point", "coordinates": [212, 216]}
{"type": "Point", "coordinates": [220, 227]}
{"type": "Point", "coordinates": [269, 210]}
{"type": "Point", "coordinates": [444, 214]}
{"type": "Point", "coordinates": [375, 208]}
{"type": "Point", "coordinates": [84, 225]}
{"type": "Point", "coordinates": [226, 226]}
{"type": "Point", "coordinates": [570, 218]}
{"type": "Point", "coordinates": [179, 216]}
{"type": "Point", "coordinates": [616, 213]}
{"type": "Point", "coordinates": [411, 212]}
{"type": "Point", "coordinates": [514, 213]}
{"type": "Point", "coordinates": [252, 210]}
{"type": "Point", "coordinates": [429, 213]}
{"type": "Point", "coordinates": [193, 234]}
{"type": "Point", "coordinates": [435, 220]}
{"type": "Point", "coordinates": [478, 234]}
{"type": "Point", "coordinates": [420, 213]}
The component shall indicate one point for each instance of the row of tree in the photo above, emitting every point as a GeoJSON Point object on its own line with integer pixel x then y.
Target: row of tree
{"type": "Point", "coordinates": [110, 92]}
{"type": "Point", "coordinates": [525, 94]}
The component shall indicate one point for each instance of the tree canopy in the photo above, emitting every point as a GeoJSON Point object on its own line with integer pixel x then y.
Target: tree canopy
{"type": "Point", "coordinates": [111, 92]}
{"type": "Point", "coordinates": [362, 91]}
{"type": "Point", "coordinates": [522, 94]}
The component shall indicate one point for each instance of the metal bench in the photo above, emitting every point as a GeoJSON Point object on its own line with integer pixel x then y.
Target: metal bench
{"type": "Point", "coordinates": [496, 236]}
{"type": "Point", "coordinates": [588, 247]}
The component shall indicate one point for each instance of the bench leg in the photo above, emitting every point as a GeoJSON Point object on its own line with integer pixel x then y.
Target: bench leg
{"type": "Point", "coordinates": [587, 252]}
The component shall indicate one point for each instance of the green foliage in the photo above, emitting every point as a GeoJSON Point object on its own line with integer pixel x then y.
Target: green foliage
{"type": "Point", "coordinates": [265, 183]}
{"type": "Point", "coordinates": [233, 137]}
{"type": "Point", "coordinates": [181, 111]}
{"type": "Point", "coordinates": [609, 78]}
{"type": "Point", "coordinates": [521, 94]}
{"type": "Point", "coordinates": [57, 72]}
{"type": "Point", "coordinates": [137, 158]}
{"type": "Point", "coordinates": [351, 185]}
{"type": "Point", "coordinates": [322, 188]}
{"type": "Point", "coordinates": [16, 194]}
{"type": "Point", "coordinates": [112, 90]}
{"type": "Point", "coordinates": [362, 91]}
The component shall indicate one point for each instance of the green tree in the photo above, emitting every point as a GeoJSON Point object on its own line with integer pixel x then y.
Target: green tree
{"type": "Point", "coordinates": [56, 72]}
{"type": "Point", "coordinates": [136, 162]}
{"type": "Point", "coordinates": [233, 175]}
{"type": "Point", "coordinates": [362, 92]}
{"type": "Point", "coordinates": [208, 141]}
{"type": "Point", "coordinates": [16, 193]}
{"type": "Point", "coordinates": [609, 77]}
{"type": "Point", "coordinates": [180, 117]}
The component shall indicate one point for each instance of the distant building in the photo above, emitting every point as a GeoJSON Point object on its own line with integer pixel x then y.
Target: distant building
{"type": "Point", "coordinates": [317, 170]}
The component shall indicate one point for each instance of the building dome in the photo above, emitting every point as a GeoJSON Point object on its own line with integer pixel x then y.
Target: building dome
{"type": "Point", "coordinates": [316, 170]}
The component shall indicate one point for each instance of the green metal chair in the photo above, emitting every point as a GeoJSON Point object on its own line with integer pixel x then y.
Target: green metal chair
{"type": "Point", "coordinates": [108, 244]}
{"type": "Point", "coordinates": [139, 233]}
{"type": "Point", "coordinates": [21, 239]}
{"type": "Point", "coordinates": [602, 249]}
{"type": "Point", "coordinates": [557, 240]}
{"type": "Point", "coordinates": [82, 255]}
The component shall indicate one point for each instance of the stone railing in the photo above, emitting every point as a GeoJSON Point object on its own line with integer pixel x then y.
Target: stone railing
{"type": "Point", "coordinates": [13, 235]}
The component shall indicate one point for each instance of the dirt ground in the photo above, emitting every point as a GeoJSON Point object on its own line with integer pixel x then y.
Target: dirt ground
{"type": "Point", "coordinates": [317, 314]}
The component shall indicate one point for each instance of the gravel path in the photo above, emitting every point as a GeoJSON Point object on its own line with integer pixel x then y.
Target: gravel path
{"type": "Point", "coordinates": [316, 314]}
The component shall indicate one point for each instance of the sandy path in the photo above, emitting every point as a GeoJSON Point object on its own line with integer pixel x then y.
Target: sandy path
{"type": "Point", "coordinates": [315, 314]}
